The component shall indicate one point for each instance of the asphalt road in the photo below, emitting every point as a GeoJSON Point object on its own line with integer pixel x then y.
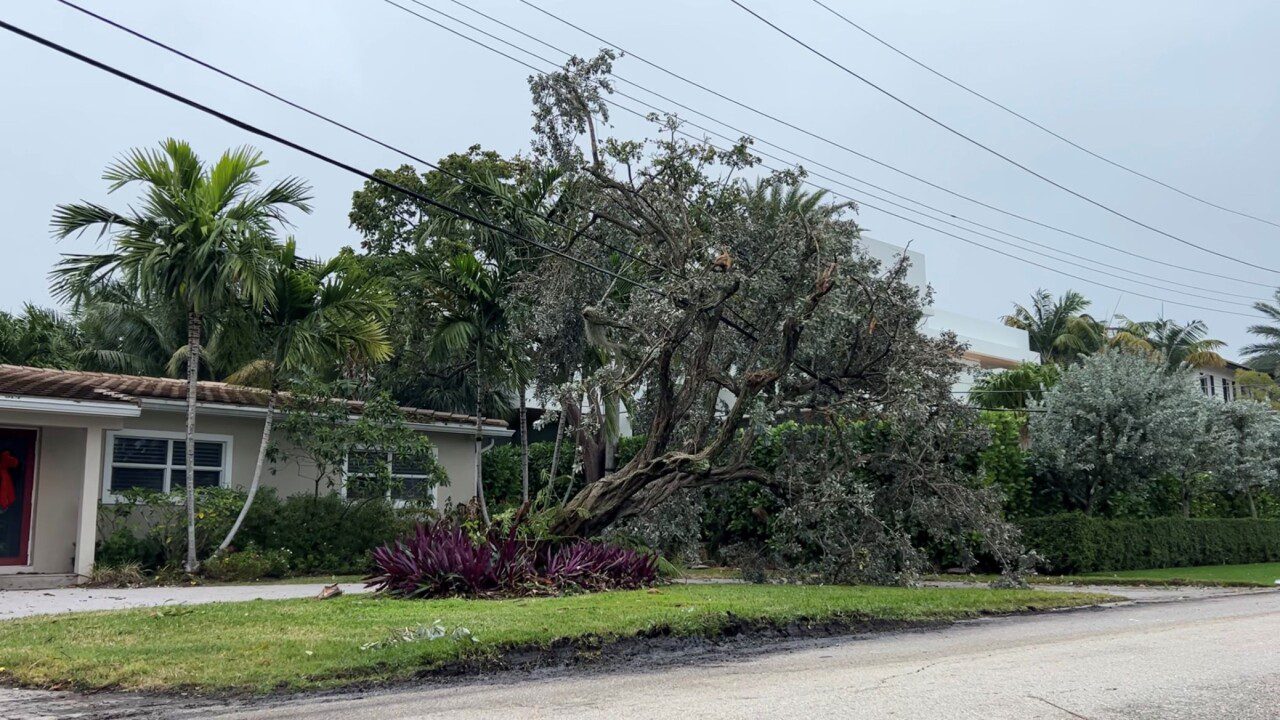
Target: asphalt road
{"type": "Point", "coordinates": [1210, 658]}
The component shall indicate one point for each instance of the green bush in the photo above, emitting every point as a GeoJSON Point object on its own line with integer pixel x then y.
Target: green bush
{"type": "Point", "coordinates": [249, 564]}
{"type": "Point", "coordinates": [1074, 543]}
{"type": "Point", "coordinates": [1003, 463]}
{"type": "Point", "coordinates": [324, 534]}
{"type": "Point", "coordinates": [304, 533]}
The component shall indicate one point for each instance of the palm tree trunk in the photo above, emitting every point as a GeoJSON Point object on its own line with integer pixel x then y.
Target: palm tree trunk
{"type": "Point", "coordinates": [193, 374]}
{"type": "Point", "coordinates": [555, 453]}
{"type": "Point", "coordinates": [257, 471]}
{"type": "Point", "coordinates": [484, 506]}
{"type": "Point", "coordinates": [524, 448]}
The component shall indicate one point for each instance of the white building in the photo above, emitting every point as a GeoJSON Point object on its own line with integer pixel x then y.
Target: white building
{"type": "Point", "coordinates": [1220, 383]}
{"type": "Point", "coordinates": [991, 344]}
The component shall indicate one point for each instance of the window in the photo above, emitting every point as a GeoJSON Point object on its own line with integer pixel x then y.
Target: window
{"type": "Point", "coordinates": [157, 461]}
{"type": "Point", "coordinates": [1227, 390]}
{"type": "Point", "coordinates": [407, 475]}
{"type": "Point", "coordinates": [1204, 384]}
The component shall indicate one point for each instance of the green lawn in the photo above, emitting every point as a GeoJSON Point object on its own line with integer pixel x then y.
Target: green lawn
{"type": "Point", "coordinates": [1255, 574]}
{"type": "Point", "coordinates": [307, 644]}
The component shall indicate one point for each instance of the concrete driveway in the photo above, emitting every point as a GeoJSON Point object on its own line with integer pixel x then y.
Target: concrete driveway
{"type": "Point", "coordinates": [23, 603]}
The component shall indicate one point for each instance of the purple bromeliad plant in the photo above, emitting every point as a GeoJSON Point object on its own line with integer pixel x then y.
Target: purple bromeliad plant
{"type": "Point", "coordinates": [442, 560]}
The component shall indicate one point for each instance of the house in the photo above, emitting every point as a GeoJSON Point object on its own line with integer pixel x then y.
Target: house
{"type": "Point", "coordinates": [71, 440]}
{"type": "Point", "coordinates": [1220, 382]}
{"type": "Point", "coordinates": [990, 344]}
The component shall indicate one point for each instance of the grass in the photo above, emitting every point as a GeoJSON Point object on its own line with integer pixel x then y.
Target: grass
{"type": "Point", "coordinates": [1256, 574]}
{"type": "Point", "coordinates": [311, 644]}
{"type": "Point", "coordinates": [1253, 575]}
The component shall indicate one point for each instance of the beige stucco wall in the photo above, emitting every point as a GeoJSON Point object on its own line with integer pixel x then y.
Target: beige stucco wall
{"type": "Point", "coordinates": [294, 475]}
{"type": "Point", "coordinates": [60, 471]}
{"type": "Point", "coordinates": [59, 475]}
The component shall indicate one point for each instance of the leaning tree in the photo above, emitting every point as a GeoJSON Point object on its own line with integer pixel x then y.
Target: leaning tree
{"type": "Point", "coordinates": [723, 302]}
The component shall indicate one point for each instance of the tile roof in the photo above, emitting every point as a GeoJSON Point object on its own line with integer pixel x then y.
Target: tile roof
{"type": "Point", "coordinates": [109, 387]}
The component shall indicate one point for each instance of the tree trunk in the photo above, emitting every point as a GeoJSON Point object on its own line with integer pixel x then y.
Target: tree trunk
{"type": "Point", "coordinates": [1253, 506]}
{"type": "Point", "coordinates": [1186, 500]}
{"type": "Point", "coordinates": [257, 472]}
{"type": "Point", "coordinates": [524, 448]}
{"type": "Point", "coordinates": [484, 507]}
{"type": "Point", "coordinates": [640, 487]}
{"type": "Point", "coordinates": [193, 374]}
{"type": "Point", "coordinates": [555, 455]}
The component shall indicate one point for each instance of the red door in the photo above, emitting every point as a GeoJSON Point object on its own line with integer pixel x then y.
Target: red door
{"type": "Point", "coordinates": [17, 488]}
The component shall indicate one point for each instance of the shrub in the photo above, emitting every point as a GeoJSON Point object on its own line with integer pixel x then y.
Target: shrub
{"type": "Point", "coordinates": [325, 534]}
{"type": "Point", "coordinates": [594, 566]}
{"type": "Point", "coordinates": [248, 564]}
{"type": "Point", "coordinates": [442, 559]}
{"type": "Point", "coordinates": [128, 574]}
{"type": "Point", "coordinates": [1074, 543]}
{"type": "Point", "coordinates": [1003, 464]}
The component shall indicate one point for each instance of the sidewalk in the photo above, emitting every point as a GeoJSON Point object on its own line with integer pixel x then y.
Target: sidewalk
{"type": "Point", "coordinates": [24, 603]}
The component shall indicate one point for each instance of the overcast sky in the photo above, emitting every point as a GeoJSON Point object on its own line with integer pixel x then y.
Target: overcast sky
{"type": "Point", "coordinates": [1184, 90]}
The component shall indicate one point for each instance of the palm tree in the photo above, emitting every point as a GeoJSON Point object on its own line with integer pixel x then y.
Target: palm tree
{"type": "Point", "coordinates": [1058, 329]}
{"type": "Point", "coordinates": [40, 337]}
{"type": "Point", "coordinates": [201, 238]}
{"type": "Point", "coordinates": [321, 316]}
{"type": "Point", "coordinates": [524, 207]}
{"type": "Point", "coordinates": [473, 326]}
{"type": "Point", "coordinates": [1264, 355]}
{"type": "Point", "coordinates": [1016, 388]}
{"type": "Point", "coordinates": [1172, 344]}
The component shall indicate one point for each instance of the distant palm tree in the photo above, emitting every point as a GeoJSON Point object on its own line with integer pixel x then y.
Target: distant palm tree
{"type": "Point", "coordinates": [201, 237]}
{"type": "Point", "coordinates": [1058, 329]}
{"type": "Point", "coordinates": [1264, 355]}
{"type": "Point", "coordinates": [321, 316]}
{"type": "Point", "coordinates": [1015, 388]}
{"type": "Point", "coordinates": [1173, 344]}
{"type": "Point", "coordinates": [40, 337]}
{"type": "Point", "coordinates": [473, 326]}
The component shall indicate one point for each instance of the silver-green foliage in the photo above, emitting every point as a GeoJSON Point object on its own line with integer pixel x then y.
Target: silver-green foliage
{"type": "Point", "coordinates": [1115, 423]}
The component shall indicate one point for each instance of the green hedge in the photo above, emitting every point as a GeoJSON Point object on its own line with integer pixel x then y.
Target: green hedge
{"type": "Point", "coordinates": [1077, 544]}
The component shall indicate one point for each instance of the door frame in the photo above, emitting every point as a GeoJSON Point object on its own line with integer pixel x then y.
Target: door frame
{"type": "Point", "coordinates": [23, 558]}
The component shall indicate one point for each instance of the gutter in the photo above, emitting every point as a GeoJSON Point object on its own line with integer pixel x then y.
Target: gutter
{"type": "Point", "coordinates": [69, 407]}
{"type": "Point", "coordinates": [227, 410]}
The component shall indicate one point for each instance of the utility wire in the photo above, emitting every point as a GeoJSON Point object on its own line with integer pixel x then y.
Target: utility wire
{"type": "Point", "coordinates": [1033, 123]}
{"type": "Point", "coordinates": [881, 163]}
{"type": "Point", "coordinates": [642, 115]}
{"type": "Point", "coordinates": [395, 187]}
{"type": "Point", "coordinates": [1127, 277]}
{"type": "Point", "coordinates": [997, 153]}
{"type": "Point", "coordinates": [327, 119]}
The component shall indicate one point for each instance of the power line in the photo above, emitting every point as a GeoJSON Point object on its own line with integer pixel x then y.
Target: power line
{"type": "Point", "coordinates": [876, 161]}
{"type": "Point", "coordinates": [327, 119]}
{"type": "Point", "coordinates": [819, 187]}
{"type": "Point", "coordinates": [1028, 120]}
{"type": "Point", "coordinates": [315, 154]}
{"type": "Point", "coordinates": [997, 153]}
{"type": "Point", "coordinates": [822, 165]}
{"type": "Point", "coordinates": [254, 130]}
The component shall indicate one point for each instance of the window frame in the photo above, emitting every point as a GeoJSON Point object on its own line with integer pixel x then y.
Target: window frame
{"type": "Point", "coordinates": [169, 436]}
{"type": "Point", "coordinates": [397, 502]}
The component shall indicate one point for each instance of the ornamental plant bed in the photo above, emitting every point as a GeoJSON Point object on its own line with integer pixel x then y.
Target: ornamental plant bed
{"type": "Point", "coordinates": [443, 560]}
{"type": "Point", "coordinates": [294, 645]}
